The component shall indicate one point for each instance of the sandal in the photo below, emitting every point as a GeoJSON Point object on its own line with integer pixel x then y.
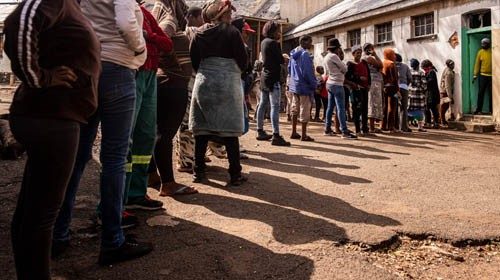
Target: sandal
{"type": "Point", "coordinates": [307, 139]}
{"type": "Point", "coordinates": [295, 136]}
{"type": "Point", "coordinates": [182, 190]}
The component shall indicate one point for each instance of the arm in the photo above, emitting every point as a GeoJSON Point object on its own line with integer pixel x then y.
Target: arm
{"type": "Point", "coordinates": [128, 25]}
{"type": "Point", "coordinates": [449, 83]}
{"type": "Point", "coordinates": [239, 51]}
{"type": "Point", "coordinates": [166, 21]}
{"type": "Point", "coordinates": [409, 77]}
{"type": "Point", "coordinates": [158, 37]}
{"type": "Point", "coordinates": [308, 70]}
{"type": "Point", "coordinates": [341, 65]}
{"type": "Point", "coordinates": [22, 40]}
{"type": "Point", "coordinates": [195, 55]}
{"type": "Point", "coordinates": [477, 65]}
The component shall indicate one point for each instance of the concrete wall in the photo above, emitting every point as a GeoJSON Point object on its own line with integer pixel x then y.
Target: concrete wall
{"type": "Point", "coordinates": [447, 18]}
{"type": "Point", "coordinates": [496, 66]}
{"type": "Point", "coordinates": [297, 10]}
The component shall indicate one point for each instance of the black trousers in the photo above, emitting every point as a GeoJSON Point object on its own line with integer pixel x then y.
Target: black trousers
{"type": "Point", "coordinates": [232, 148]}
{"type": "Point", "coordinates": [485, 83]}
{"type": "Point", "coordinates": [172, 104]}
{"type": "Point", "coordinates": [51, 146]}
{"type": "Point", "coordinates": [318, 102]}
{"type": "Point", "coordinates": [432, 108]}
{"type": "Point", "coordinates": [360, 109]}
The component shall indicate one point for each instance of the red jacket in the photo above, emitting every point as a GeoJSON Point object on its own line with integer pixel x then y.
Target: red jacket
{"type": "Point", "coordinates": [156, 41]}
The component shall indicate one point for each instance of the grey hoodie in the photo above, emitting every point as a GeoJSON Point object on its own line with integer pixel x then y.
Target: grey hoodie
{"type": "Point", "coordinates": [118, 25]}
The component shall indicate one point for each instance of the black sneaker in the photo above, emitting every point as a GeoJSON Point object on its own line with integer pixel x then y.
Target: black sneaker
{"type": "Point", "coordinates": [349, 136]}
{"type": "Point", "coordinates": [130, 249]}
{"type": "Point", "coordinates": [279, 141]}
{"type": "Point", "coordinates": [143, 203]}
{"type": "Point", "coordinates": [200, 177]}
{"type": "Point", "coordinates": [58, 248]}
{"type": "Point", "coordinates": [238, 180]}
{"type": "Point", "coordinates": [128, 220]}
{"type": "Point", "coordinates": [329, 133]}
{"type": "Point", "coordinates": [263, 136]}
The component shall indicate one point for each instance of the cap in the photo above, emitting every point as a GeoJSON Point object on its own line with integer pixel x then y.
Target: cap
{"type": "Point", "coordinates": [248, 28]}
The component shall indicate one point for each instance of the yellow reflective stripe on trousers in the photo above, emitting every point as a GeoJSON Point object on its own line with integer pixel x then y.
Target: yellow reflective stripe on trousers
{"type": "Point", "coordinates": [141, 159]}
{"type": "Point", "coordinates": [128, 167]}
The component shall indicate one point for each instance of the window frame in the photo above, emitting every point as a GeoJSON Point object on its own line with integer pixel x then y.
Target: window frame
{"type": "Point", "coordinates": [350, 33]}
{"type": "Point", "coordinates": [423, 26]}
{"type": "Point", "coordinates": [387, 30]}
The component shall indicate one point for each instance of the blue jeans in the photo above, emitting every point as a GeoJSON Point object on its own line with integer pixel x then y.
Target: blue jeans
{"type": "Point", "coordinates": [274, 97]}
{"type": "Point", "coordinates": [115, 112]}
{"type": "Point", "coordinates": [336, 98]}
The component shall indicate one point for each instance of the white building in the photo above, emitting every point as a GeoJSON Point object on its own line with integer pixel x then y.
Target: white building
{"type": "Point", "coordinates": [421, 29]}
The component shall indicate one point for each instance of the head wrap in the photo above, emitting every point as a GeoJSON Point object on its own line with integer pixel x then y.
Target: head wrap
{"type": "Point", "coordinates": [414, 63]}
{"type": "Point", "coordinates": [214, 9]}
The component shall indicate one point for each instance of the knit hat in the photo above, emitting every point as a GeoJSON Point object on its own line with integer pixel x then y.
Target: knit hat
{"type": "Point", "coordinates": [214, 9]}
{"type": "Point", "coordinates": [356, 48]}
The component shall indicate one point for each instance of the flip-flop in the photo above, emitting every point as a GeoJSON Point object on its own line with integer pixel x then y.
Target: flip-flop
{"type": "Point", "coordinates": [184, 190]}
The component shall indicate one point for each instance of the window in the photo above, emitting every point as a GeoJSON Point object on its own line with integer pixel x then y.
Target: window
{"type": "Point", "coordinates": [353, 38]}
{"type": "Point", "coordinates": [383, 32]}
{"type": "Point", "coordinates": [479, 19]}
{"type": "Point", "coordinates": [423, 25]}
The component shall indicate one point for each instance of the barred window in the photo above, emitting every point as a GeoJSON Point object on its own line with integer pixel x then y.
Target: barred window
{"type": "Point", "coordinates": [383, 32]}
{"type": "Point", "coordinates": [423, 25]}
{"type": "Point", "coordinates": [354, 38]}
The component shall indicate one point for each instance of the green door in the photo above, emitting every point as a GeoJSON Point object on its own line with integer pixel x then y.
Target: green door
{"type": "Point", "coordinates": [471, 45]}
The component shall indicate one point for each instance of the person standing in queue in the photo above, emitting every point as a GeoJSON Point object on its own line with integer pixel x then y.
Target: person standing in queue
{"type": "Point", "coordinates": [58, 93]}
{"type": "Point", "coordinates": [270, 84]}
{"type": "Point", "coordinates": [118, 25]}
{"type": "Point", "coordinates": [219, 57]}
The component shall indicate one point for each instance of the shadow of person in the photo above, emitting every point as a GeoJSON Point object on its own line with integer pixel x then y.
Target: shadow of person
{"type": "Point", "coordinates": [310, 170]}
{"type": "Point", "coordinates": [283, 192]}
{"type": "Point", "coordinates": [301, 160]}
{"type": "Point", "coordinates": [347, 153]}
{"type": "Point", "coordinates": [289, 226]}
{"type": "Point", "coordinates": [188, 251]}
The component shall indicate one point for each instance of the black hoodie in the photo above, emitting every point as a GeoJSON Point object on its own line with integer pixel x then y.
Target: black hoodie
{"type": "Point", "coordinates": [218, 40]}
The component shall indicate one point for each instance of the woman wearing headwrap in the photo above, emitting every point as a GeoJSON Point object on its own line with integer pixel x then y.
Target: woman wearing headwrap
{"type": "Point", "coordinates": [433, 97]}
{"type": "Point", "coordinates": [447, 90]}
{"type": "Point", "coordinates": [417, 94]}
{"type": "Point", "coordinates": [391, 90]}
{"type": "Point", "coordinates": [218, 55]}
{"type": "Point", "coordinates": [375, 101]}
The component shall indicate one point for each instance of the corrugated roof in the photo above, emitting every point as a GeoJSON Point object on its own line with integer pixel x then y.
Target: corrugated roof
{"type": "Point", "coordinates": [268, 9]}
{"type": "Point", "coordinates": [342, 11]}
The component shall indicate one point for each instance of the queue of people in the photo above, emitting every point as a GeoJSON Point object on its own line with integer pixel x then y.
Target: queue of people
{"type": "Point", "coordinates": [176, 78]}
{"type": "Point", "coordinates": [380, 90]}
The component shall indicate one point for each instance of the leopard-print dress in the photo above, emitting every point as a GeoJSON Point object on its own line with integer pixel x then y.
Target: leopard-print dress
{"type": "Point", "coordinates": [184, 148]}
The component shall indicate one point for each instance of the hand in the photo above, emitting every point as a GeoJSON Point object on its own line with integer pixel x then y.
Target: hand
{"type": "Point", "coordinates": [474, 79]}
{"type": "Point", "coordinates": [62, 76]}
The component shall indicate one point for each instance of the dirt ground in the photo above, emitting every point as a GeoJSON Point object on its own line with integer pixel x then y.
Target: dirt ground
{"type": "Point", "coordinates": [419, 206]}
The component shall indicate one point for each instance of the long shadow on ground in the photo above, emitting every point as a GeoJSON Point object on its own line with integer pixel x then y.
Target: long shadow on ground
{"type": "Point", "coordinates": [283, 192]}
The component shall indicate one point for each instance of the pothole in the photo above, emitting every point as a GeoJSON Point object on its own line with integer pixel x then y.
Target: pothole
{"type": "Point", "coordinates": [410, 256]}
